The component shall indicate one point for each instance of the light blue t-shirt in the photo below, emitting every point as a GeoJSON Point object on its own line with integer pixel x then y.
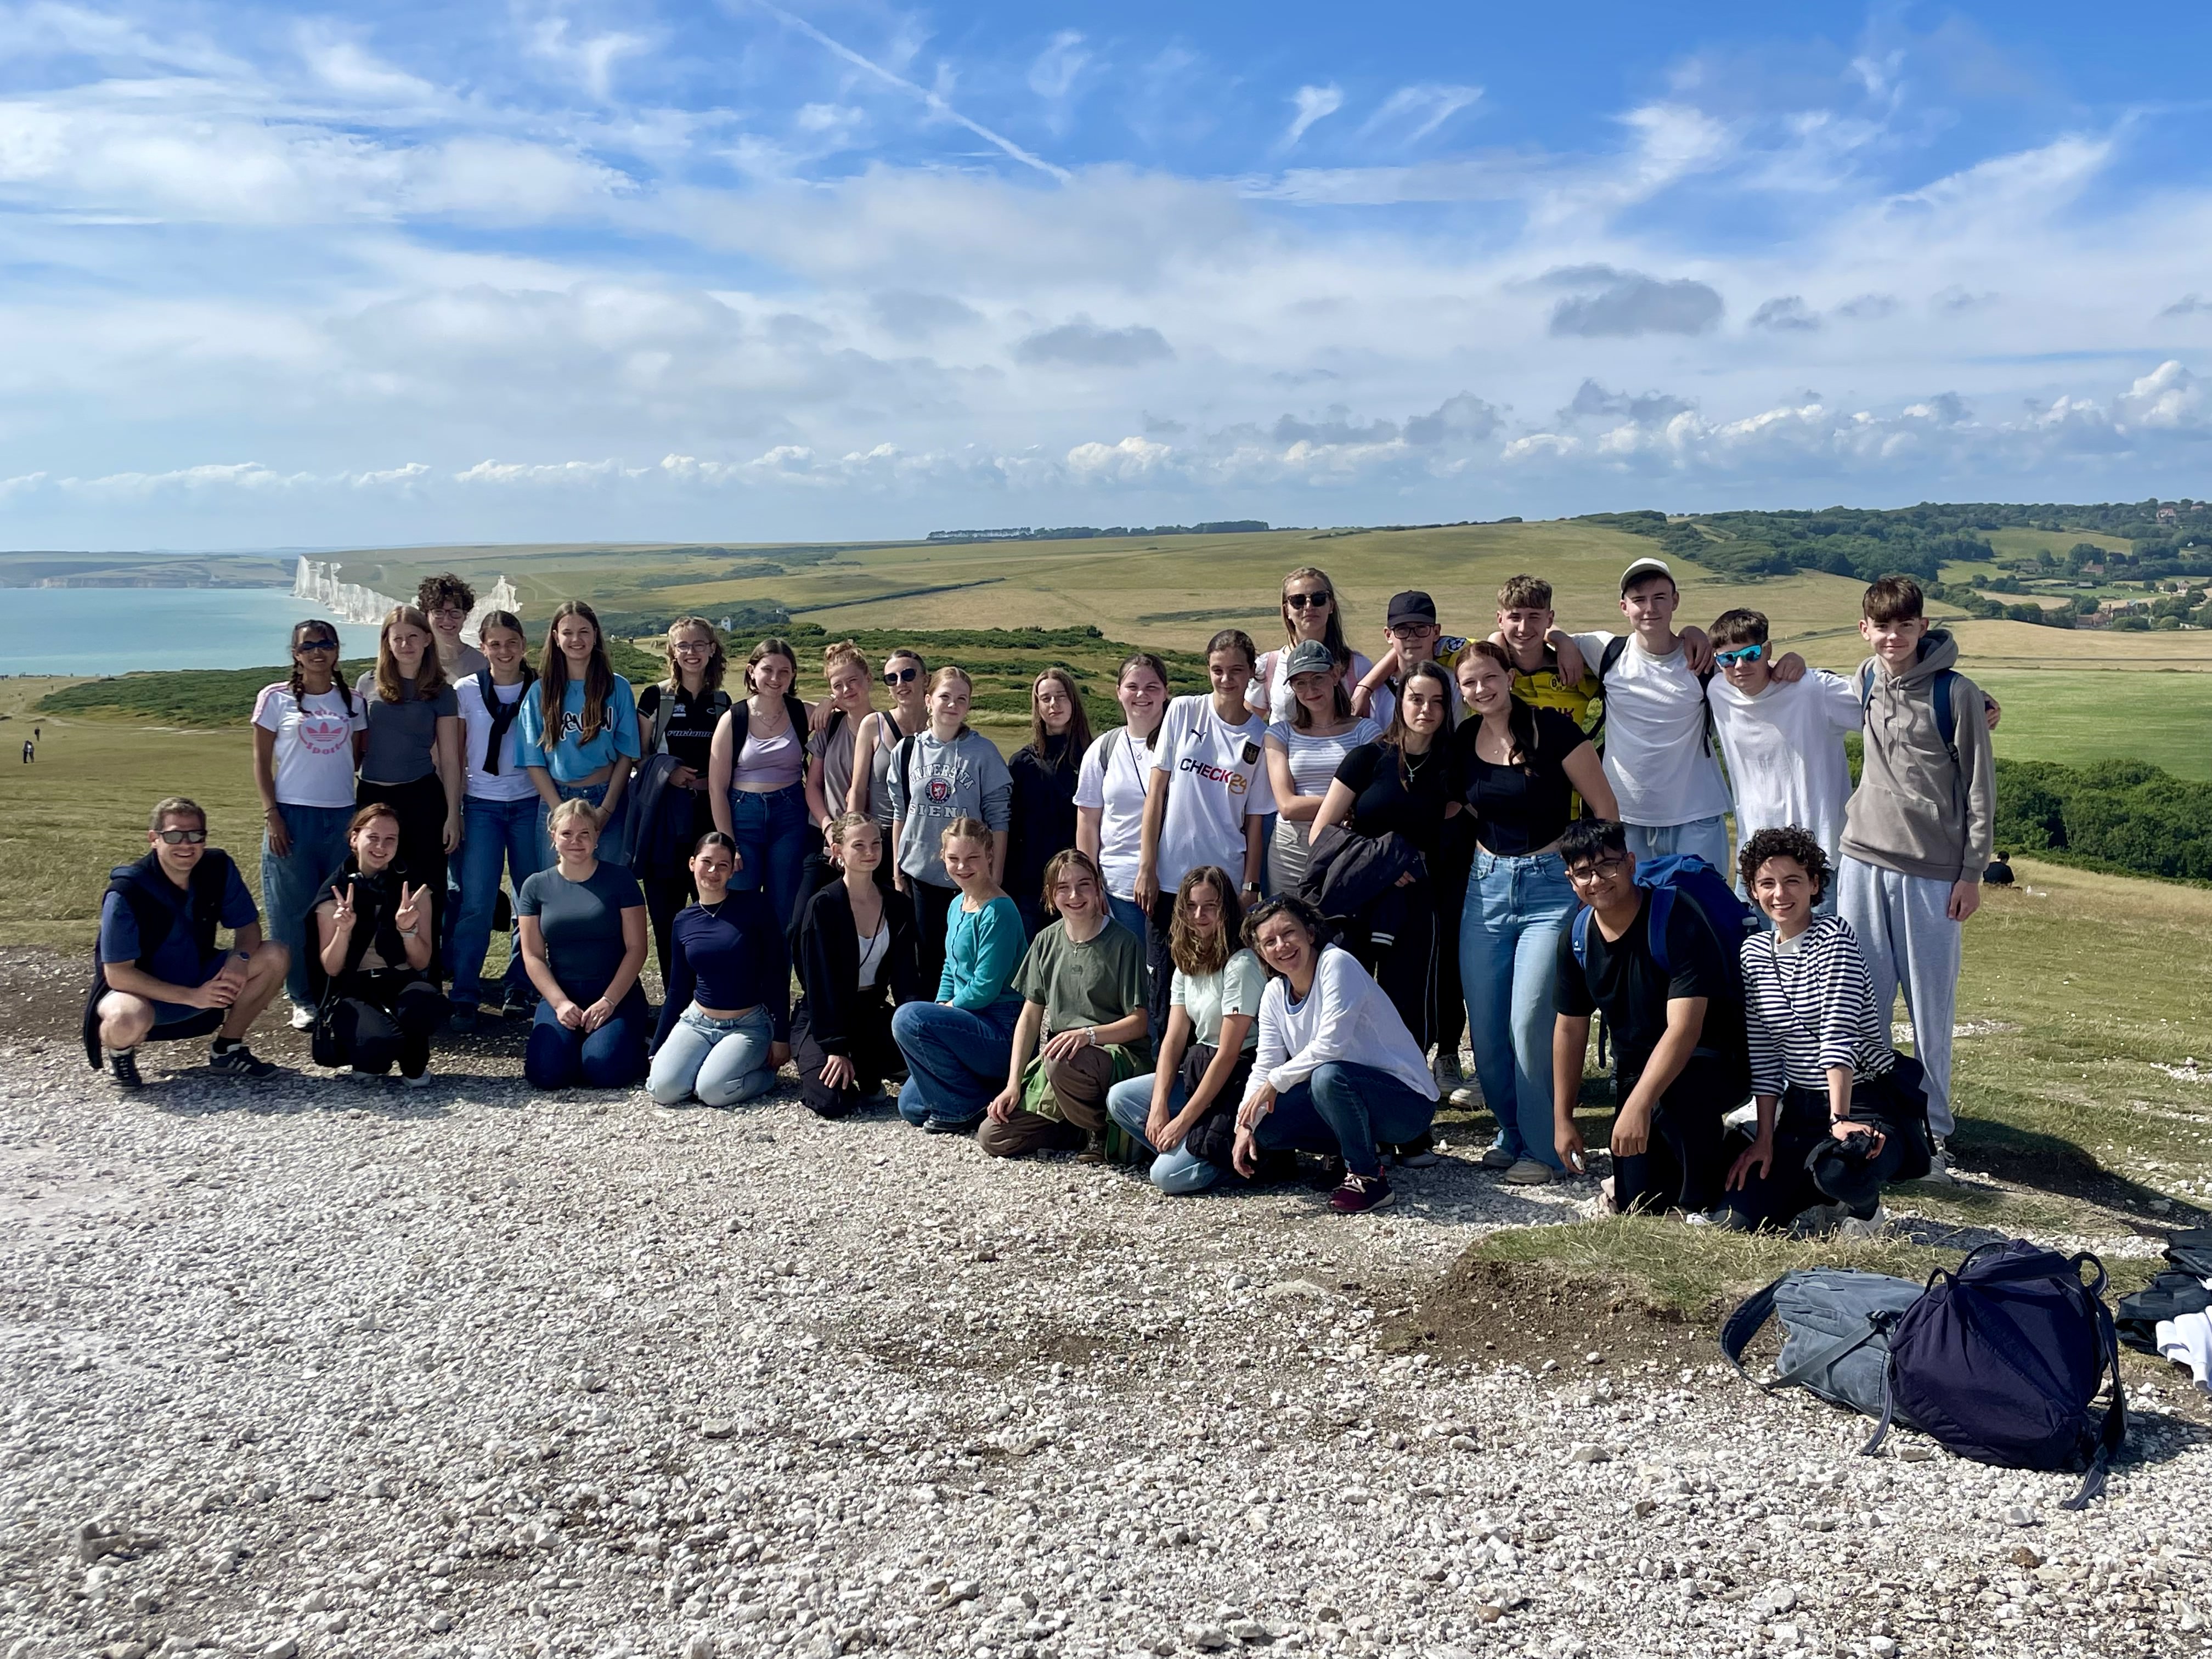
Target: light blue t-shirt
{"type": "Point", "coordinates": [569, 757]}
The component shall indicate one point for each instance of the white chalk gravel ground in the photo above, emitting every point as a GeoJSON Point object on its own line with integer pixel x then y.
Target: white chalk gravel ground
{"type": "Point", "coordinates": [326, 1367]}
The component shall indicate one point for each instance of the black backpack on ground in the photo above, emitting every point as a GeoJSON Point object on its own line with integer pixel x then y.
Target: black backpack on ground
{"type": "Point", "coordinates": [2000, 1361]}
{"type": "Point", "coordinates": [209, 877]}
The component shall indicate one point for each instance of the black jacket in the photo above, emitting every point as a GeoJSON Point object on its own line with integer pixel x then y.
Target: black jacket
{"type": "Point", "coordinates": [1346, 873]}
{"type": "Point", "coordinates": [134, 883]}
{"type": "Point", "coordinates": [376, 909]}
{"type": "Point", "coordinates": [829, 958]}
{"type": "Point", "coordinates": [1043, 812]}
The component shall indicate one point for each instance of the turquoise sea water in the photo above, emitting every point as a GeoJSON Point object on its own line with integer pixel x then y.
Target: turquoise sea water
{"type": "Point", "coordinates": [114, 631]}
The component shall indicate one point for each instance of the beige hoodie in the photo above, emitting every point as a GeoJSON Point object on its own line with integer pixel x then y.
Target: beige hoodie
{"type": "Point", "coordinates": [1914, 811]}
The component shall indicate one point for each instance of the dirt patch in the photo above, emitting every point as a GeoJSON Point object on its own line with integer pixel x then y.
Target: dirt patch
{"type": "Point", "coordinates": [1528, 1312]}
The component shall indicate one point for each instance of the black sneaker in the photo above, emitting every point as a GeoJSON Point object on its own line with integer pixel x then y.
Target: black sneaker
{"type": "Point", "coordinates": [464, 1017]}
{"type": "Point", "coordinates": [123, 1066]}
{"type": "Point", "coordinates": [1360, 1193]}
{"type": "Point", "coordinates": [238, 1060]}
{"type": "Point", "coordinates": [519, 1005]}
{"type": "Point", "coordinates": [1417, 1154]}
{"type": "Point", "coordinates": [947, 1126]}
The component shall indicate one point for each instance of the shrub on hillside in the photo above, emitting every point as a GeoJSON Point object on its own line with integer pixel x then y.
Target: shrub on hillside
{"type": "Point", "coordinates": [2123, 813]}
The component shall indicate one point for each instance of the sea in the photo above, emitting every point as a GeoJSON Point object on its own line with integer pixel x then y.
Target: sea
{"type": "Point", "coordinates": [116, 630]}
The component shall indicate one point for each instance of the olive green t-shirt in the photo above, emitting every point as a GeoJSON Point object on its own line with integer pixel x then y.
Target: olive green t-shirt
{"type": "Point", "coordinates": [1093, 983]}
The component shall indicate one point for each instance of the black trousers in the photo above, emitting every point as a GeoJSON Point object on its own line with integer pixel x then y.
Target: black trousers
{"type": "Point", "coordinates": [667, 891]}
{"type": "Point", "coordinates": [1159, 962]}
{"type": "Point", "coordinates": [421, 809]}
{"type": "Point", "coordinates": [1449, 872]}
{"type": "Point", "coordinates": [1788, 1189]}
{"type": "Point", "coordinates": [1684, 1162]}
{"type": "Point", "coordinates": [389, 1021]}
{"type": "Point", "coordinates": [932, 906]}
{"type": "Point", "coordinates": [1405, 959]}
{"type": "Point", "coordinates": [870, 1048]}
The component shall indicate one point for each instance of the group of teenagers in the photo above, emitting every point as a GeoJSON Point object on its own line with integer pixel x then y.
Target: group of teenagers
{"type": "Point", "coordinates": [1246, 924]}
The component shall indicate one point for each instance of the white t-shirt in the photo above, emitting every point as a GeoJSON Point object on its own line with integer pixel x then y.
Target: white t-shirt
{"type": "Point", "coordinates": [1270, 692]}
{"type": "Point", "coordinates": [1345, 1017]}
{"type": "Point", "coordinates": [1655, 737]}
{"type": "Point", "coordinates": [1217, 778]}
{"type": "Point", "coordinates": [1314, 760]}
{"type": "Point", "coordinates": [511, 782]}
{"type": "Point", "coordinates": [1236, 989]}
{"type": "Point", "coordinates": [1112, 778]}
{"type": "Point", "coordinates": [1784, 749]}
{"type": "Point", "coordinates": [314, 744]}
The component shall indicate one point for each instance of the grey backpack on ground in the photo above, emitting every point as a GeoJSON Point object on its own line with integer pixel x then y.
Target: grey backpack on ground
{"type": "Point", "coordinates": [1835, 1333]}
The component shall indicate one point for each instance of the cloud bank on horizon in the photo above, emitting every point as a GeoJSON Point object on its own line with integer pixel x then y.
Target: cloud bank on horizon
{"type": "Point", "coordinates": [739, 270]}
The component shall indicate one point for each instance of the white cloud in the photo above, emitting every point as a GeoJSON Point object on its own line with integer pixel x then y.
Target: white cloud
{"type": "Point", "coordinates": [1059, 65]}
{"type": "Point", "coordinates": [1412, 113]}
{"type": "Point", "coordinates": [1312, 104]}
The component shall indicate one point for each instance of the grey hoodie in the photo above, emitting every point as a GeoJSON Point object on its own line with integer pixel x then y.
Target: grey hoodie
{"type": "Point", "coordinates": [965, 778]}
{"type": "Point", "coordinates": [1914, 811]}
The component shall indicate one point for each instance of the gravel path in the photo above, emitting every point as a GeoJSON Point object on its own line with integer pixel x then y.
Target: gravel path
{"type": "Point", "coordinates": [333, 1367]}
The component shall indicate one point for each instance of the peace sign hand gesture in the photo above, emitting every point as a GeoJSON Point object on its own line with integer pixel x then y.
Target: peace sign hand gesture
{"type": "Point", "coordinates": [410, 913]}
{"type": "Point", "coordinates": [342, 917]}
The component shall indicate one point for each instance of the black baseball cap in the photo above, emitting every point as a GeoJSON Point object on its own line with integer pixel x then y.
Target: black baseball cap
{"type": "Point", "coordinates": [1412, 605]}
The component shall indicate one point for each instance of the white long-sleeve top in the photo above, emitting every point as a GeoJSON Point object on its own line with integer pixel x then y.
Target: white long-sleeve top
{"type": "Point", "coordinates": [1809, 1005]}
{"type": "Point", "coordinates": [1345, 1018]}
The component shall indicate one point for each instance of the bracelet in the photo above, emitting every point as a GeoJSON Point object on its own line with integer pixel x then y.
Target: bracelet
{"type": "Point", "coordinates": [1090, 1034]}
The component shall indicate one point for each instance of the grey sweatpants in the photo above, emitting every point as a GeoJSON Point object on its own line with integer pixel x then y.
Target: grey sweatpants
{"type": "Point", "coordinates": [1908, 942]}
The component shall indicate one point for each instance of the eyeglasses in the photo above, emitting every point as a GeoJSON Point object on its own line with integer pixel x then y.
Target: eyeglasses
{"type": "Point", "coordinates": [1300, 601]}
{"type": "Point", "coordinates": [316, 645]}
{"type": "Point", "coordinates": [1743, 653]}
{"type": "Point", "coordinates": [1585, 875]}
{"type": "Point", "coordinates": [901, 676]}
{"type": "Point", "coordinates": [452, 612]}
{"type": "Point", "coordinates": [182, 837]}
{"type": "Point", "coordinates": [684, 647]}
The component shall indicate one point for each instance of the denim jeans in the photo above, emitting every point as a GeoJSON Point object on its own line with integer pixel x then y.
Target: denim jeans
{"type": "Point", "coordinates": [611, 850]}
{"type": "Point", "coordinates": [1706, 837]}
{"type": "Point", "coordinates": [1128, 913]}
{"type": "Point", "coordinates": [773, 839]}
{"type": "Point", "coordinates": [1509, 944]}
{"type": "Point", "coordinates": [956, 1058]}
{"type": "Point", "coordinates": [501, 835]}
{"type": "Point", "coordinates": [291, 886]}
{"type": "Point", "coordinates": [612, 1057]}
{"type": "Point", "coordinates": [1344, 1108]}
{"type": "Point", "coordinates": [1129, 1103]}
{"type": "Point", "coordinates": [722, 1061]}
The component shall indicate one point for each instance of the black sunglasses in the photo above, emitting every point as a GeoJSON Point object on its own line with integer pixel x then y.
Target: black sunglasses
{"type": "Point", "coordinates": [1300, 601]}
{"type": "Point", "coordinates": [182, 837]}
{"type": "Point", "coordinates": [316, 645]}
{"type": "Point", "coordinates": [900, 676]}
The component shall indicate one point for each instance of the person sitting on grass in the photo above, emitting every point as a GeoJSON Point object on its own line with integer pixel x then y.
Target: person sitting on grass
{"type": "Point", "coordinates": [1336, 1071]}
{"type": "Point", "coordinates": [1677, 1030]}
{"type": "Point", "coordinates": [584, 941]}
{"type": "Point", "coordinates": [955, 1047]}
{"type": "Point", "coordinates": [1841, 1113]}
{"type": "Point", "coordinates": [1183, 1113]}
{"type": "Point", "coordinates": [159, 975]}
{"type": "Point", "coordinates": [725, 1021]}
{"type": "Point", "coordinates": [379, 1006]}
{"type": "Point", "coordinates": [1083, 988]}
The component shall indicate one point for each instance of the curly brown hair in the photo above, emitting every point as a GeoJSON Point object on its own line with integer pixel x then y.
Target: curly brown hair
{"type": "Point", "coordinates": [444, 589]}
{"type": "Point", "coordinates": [1788, 843]}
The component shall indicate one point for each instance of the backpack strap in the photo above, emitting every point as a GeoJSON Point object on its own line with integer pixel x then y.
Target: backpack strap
{"type": "Point", "coordinates": [1878, 1324]}
{"type": "Point", "coordinates": [1944, 690]}
{"type": "Point", "coordinates": [2112, 1433]}
{"type": "Point", "coordinates": [1661, 906]}
{"type": "Point", "coordinates": [1888, 1407]}
{"type": "Point", "coordinates": [1581, 932]}
{"type": "Point", "coordinates": [1614, 647]}
{"type": "Point", "coordinates": [902, 762]}
{"type": "Point", "coordinates": [1744, 1323]}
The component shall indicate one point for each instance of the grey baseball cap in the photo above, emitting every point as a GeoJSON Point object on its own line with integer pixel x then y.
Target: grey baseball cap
{"type": "Point", "coordinates": [1308, 657]}
{"type": "Point", "coordinates": [1643, 567]}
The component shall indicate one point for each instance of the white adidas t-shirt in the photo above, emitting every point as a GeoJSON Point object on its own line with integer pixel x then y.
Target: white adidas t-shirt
{"type": "Point", "coordinates": [1655, 754]}
{"type": "Point", "coordinates": [1217, 778]}
{"type": "Point", "coordinates": [1112, 778]}
{"type": "Point", "coordinates": [313, 756]}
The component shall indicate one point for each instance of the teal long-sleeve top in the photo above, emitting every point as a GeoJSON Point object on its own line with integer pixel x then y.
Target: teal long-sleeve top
{"type": "Point", "coordinates": [983, 951]}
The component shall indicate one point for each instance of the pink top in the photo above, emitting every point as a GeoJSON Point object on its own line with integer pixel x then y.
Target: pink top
{"type": "Point", "coordinates": [774, 763]}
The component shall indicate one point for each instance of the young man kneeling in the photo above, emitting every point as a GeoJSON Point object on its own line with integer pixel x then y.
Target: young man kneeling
{"type": "Point", "coordinates": [1083, 988]}
{"type": "Point", "coordinates": [1841, 1114]}
{"type": "Point", "coordinates": [159, 975]}
{"type": "Point", "coordinates": [1677, 1023]}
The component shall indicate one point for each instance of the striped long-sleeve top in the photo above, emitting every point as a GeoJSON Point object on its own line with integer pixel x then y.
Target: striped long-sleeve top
{"type": "Point", "coordinates": [1809, 1005]}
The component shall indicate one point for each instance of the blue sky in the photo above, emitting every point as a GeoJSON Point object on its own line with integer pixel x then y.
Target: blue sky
{"type": "Point", "coordinates": [743, 271]}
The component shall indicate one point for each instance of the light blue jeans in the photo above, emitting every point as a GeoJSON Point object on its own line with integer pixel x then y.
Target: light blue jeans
{"type": "Point", "coordinates": [1509, 947]}
{"type": "Point", "coordinates": [1706, 837]}
{"type": "Point", "coordinates": [1128, 913]}
{"type": "Point", "coordinates": [291, 886]}
{"type": "Point", "coordinates": [1129, 1103]}
{"type": "Point", "coordinates": [722, 1061]}
{"type": "Point", "coordinates": [1909, 942]}
{"type": "Point", "coordinates": [611, 850]}
{"type": "Point", "coordinates": [500, 835]}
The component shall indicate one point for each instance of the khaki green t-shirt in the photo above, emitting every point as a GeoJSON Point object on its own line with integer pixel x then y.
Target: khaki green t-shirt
{"type": "Point", "coordinates": [1093, 983]}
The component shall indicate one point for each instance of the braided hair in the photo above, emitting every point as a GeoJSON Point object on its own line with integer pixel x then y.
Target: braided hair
{"type": "Point", "coordinates": [300, 681]}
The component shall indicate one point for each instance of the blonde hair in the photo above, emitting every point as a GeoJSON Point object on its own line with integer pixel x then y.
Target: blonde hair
{"type": "Point", "coordinates": [953, 671]}
{"type": "Point", "coordinates": [1069, 858]}
{"type": "Point", "coordinates": [429, 673]}
{"type": "Point", "coordinates": [964, 828]}
{"type": "Point", "coordinates": [575, 807]}
{"type": "Point", "coordinates": [845, 823]}
{"type": "Point", "coordinates": [835, 656]}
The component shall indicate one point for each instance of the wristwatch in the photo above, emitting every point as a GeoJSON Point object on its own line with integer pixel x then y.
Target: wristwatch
{"type": "Point", "coordinates": [1252, 887]}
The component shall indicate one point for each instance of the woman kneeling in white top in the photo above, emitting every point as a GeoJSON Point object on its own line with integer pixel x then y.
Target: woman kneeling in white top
{"type": "Point", "coordinates": [1337, 1070]}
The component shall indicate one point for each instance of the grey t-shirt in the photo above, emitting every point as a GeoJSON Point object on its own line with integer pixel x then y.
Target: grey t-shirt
{"type": "Point", "coordinates": [835, 752]}
{"type": "Point", "coordinates": [582, 924]}
{"type": "Point", "coordinates": [403, 735]}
